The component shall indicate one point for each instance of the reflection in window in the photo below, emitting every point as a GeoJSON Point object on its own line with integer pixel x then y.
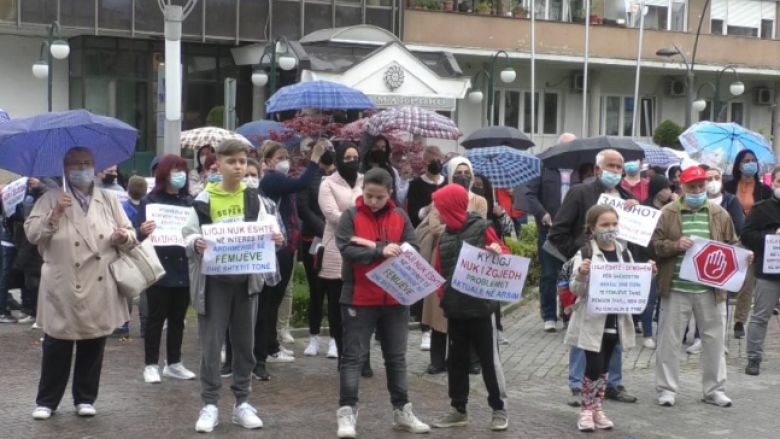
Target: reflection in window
{"type": "Point", "coordinates": [317, 16]}
{"type": "Point", "coordinates": [113, 14]}
{"type": "Point", "coordinates": [39, 11]}
{"type": "Point", "coordinates": [253, 19]}
{"type": "Point", "coordinates": [348, 16]}
{"type": "Point", "coordinates": [148, 17]}
{"type": "Point", "coordinates": [221, 18]}
{"type": "Point", "coordinates": [511, 109]}
{"type": "Point", "coordinates": [286, 21]}
{"type": "Point", "coordinates": [73, 13]}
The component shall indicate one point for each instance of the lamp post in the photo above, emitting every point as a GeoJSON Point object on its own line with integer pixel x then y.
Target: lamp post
{"type": "Point", "coordinates": [507, 75]}
{"type": "Point", "coordinates": [286, 60]}
{"type": "Point", "coordinates": [736, 89]}
{"type": "Point", "coordinates": [58, 49]}
{"type": "Point", "coordinates": [667, 52]}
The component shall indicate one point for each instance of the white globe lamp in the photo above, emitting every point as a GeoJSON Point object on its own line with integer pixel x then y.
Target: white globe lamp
{"type": "Point", "coordinates": [508, 75]}
{"type": "Point", "coordinates": [476, 96]}
{"type": "Point", "coordinates": [287, 62]}
{"type": "Point", "coordinates": [60, 49]}
{"type": "Point", "coordinates": [40, 69]}
{"type": "Point", "coordinates": [737, 88]}
{"type": "Point", "coordinates": [699, 105]}
{"type": "Point", "coordinates": [259, 78]}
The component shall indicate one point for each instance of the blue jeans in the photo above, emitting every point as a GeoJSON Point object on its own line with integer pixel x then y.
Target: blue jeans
{"type": "Point", "coordinates": [577, 367]}
{"type": "Point", "coordinates": [8, 254]}
{"type": "Point", "coordinates": [647, 316]}
{"type": "Point", "coordinates": [548, 290]}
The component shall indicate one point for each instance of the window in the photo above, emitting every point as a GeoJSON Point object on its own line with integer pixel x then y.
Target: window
{"type": "Point", "coordinates": [513, 109]}
{"type": "Point", "coordinates": [767, 29]}
{"type": "Point", "coordinates": [746, 18]}
{"type": "Point", "coordinates": [112, 14]}
{"type": "Point", "coordinates": [661, 15]}
{"type": "Point", "coordinates": [527, 124]}
{"type": "Point", "coordinates": [221, 18]}
{"type": "Point", "coordinates": [716, 27]}
{"type": "Point", "coordinates": [743, 31]}
{"type": "Point", "coordinates": [8, 10]}
{"type": "Point", "coordinates": [707, 113]}
{"type": "Point", "coordinates": [618, 116]}
{"type": "Point", "coordinates": [317, 16]}
{"type": "Point", "coordinates": [737, 113]}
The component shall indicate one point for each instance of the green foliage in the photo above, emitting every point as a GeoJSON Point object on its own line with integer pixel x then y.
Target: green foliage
{"type": "Point", "coordinates": [300, 306]}
{"type": "Point", "coordinates": [527, 246]}
{"type": "Point", "coordinates": [667, 134]}
{"type": "Point", "coordinates": [216, 117]}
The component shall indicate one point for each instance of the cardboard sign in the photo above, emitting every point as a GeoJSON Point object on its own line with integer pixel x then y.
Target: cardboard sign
{"type": "Point", "coordinates": [240, 248]}
{"type": "Point", "coordinates": [715, 264]}
{"type": "Point", "coordinates": [772, 254]}
{"type": "Point", "coordinates": [618, 287]}
{"type": "Point", "coordinates": [13, 195]}
{"type": "Point", "coordinates": [485, 275]}
{"type": "Point", "coordinates": [169, 222]}
{"type": "Point", "coordinates": [408, 277]}
{"type": "Point", "coordinates": [635, 225]}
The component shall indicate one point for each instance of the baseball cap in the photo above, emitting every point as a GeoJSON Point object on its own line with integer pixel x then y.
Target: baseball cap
{"type": "Point", "coordinates": [694, 173]}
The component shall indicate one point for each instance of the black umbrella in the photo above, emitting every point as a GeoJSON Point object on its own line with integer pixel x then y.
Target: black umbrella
{"type": "Point", "coordinates": [580, 151]}
{"type": "Point", "coordinates": [497, 136]}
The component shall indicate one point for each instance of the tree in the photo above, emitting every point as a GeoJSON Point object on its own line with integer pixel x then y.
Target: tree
{"type": "Point", "coordinates": [667, 134]}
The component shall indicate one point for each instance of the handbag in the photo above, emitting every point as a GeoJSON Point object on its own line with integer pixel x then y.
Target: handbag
{"type": "Point", "coordinates": [136, 270]}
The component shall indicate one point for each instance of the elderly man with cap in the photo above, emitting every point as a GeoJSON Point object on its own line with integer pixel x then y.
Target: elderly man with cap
{"type": "Point", "coordinates": [691, 215]}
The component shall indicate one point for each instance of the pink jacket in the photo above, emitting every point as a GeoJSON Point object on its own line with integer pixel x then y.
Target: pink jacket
{"type": "Point", "coordinates": [335, 197]}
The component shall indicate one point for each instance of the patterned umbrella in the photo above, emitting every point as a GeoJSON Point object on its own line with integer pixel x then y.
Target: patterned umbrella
{"type": "Point", "coordinates": [321, 95]}
{"type": "Point", "coordinates": [194, 139]}
{"type": "Point", "coordinates": [717, 144]}
{"type": "Point", "coordinates": [353, 132]}
{"type": "Point", "coordinates": [657, 156]}
{"type": "Point", "coordinates": [415, 120]}
{"type": "Point", "coordinates": [505, 167]}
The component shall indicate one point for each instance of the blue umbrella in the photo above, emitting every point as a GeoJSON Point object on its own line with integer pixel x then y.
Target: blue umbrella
{"type": "Point", "coordinates": [4, 117]}
{"type": "Point", "coordinates": [657, 156]}
{"type": "Point", "coordinates": [717, 144]}
{"type": "Point", "coordinates": [320, 95]}
{"type": "Point", "coordinates": [35, 146]}
{"type": "Point", "coordinates": [260, 130]}
{"type": "Point", "coordinates": [505, 167]}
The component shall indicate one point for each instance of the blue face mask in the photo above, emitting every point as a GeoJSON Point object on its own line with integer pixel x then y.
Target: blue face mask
{"type": "Point", "coordinates": [81, 178]}
{"type": "Point", "coordinates": [696, 200]}
{"type": "Point", "coordinates": [632, 168]}
{"type": "Point", "coordinates": [750, 169]}
{"type": "Point", "coordinates": [610, 179]}
{"type": "Point", "coordinates": [178, 180]}
{"type": "Point", "coordinates": [215, 178]}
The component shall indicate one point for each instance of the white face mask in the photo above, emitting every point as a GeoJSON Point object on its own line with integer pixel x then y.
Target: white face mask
{"type": "Point", "coordinates": [283, 167]}
{"type": "Point", "coordinates": [251, 182]}
{"type": "Point", "coordinates": [714, 187]}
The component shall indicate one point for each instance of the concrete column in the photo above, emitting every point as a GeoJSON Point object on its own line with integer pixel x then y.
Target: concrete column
{"type": "Point", "coordinates": [594, 103]}
{"type": "Point", "coordinates": [776, 121]}
{"type": "Point", "coordinates": [258, 103]}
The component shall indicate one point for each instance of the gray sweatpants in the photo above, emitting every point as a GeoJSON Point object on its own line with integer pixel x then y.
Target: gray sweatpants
{"type": "Point", "coordinates": [227, 305]}
{"type": "Point", "coordinates": [767, 293]}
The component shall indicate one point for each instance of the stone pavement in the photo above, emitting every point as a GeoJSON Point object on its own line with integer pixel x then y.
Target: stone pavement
{"type": "Point", "coordinates": [300, 401]}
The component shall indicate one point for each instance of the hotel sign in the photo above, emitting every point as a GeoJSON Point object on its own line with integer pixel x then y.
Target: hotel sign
{"type": "Point", "coordinates": [437, 103]}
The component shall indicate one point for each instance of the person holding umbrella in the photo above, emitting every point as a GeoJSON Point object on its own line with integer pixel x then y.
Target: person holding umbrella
{"type": "Point", "coordinates": [78, 231]}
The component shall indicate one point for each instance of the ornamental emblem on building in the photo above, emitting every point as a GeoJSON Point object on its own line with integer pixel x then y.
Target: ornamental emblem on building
{"type": "Point", "coordinates": [394, 77]}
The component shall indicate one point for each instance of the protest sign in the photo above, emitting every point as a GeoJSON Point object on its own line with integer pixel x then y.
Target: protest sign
{"type": "Point", "coordinates": [150, 182]}
{"type": "Point", "coordinates": [169, 221]}
{"type": "Point", "coordinates": [636, 224]}
{"type": "Point", "coordinates": [485, 275]}
{"type": "Point", "coordinates": [13, 194]}
{"type": "Point", "coordinates": [239, 248]}
{"type": "Point", "coordinates": [772, 254]}
{"type": "Point", "coordinates": [618, 287]}
{"type": "Point", "coordinates": [715, 264]}
{"type": "Point", "coordinates": [408, 277]}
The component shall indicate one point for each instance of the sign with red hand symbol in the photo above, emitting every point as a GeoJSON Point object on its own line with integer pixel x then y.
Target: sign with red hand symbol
{"type": "Point", "coordinates": [715, 264]}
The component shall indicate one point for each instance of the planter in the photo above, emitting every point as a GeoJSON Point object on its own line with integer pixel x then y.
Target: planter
{"type": "Point", "coordinates": [449, 6]}
{"type": "Point", "coordinates": [521, 14]}
{"type": "Point", "coordinates": [595, 19]}
{"type": "Point", "coordinates": [485, 12]}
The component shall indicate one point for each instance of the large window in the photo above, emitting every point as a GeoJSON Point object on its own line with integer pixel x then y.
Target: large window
{"type": "Point", "coordinates": [661, 15]}
{"type": "Point", "coordinates": [746, 18]}
{"type": "Point", "coordinates": [513, 108]}
{"type": "Point", "coordinates": [617, 117]}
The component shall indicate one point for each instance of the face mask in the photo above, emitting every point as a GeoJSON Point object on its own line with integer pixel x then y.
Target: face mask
{"type": "Point", "coordinates": [478, 190]}
{"type": "Point", "coordinates": [434, 167]}
{"type": "Point", "coordinates": [610, 179]}
{"type": "Point", "coordinates": [750, 169]}
{"type": "Point", "coordinates": [349, 170]}
{"type": "Point", "coordinates": [607, 237]}
{"type": "Point", "coordinates": [178, 180]}
{"type": "Point", "coordinates": [109, 179]}
{"type": "Point", "coordinates": [81, 178]}
{"type": "Point", "coordinates": [714, 187]}
{"type": "Point", "coordinates": [251, 182]}
{"type": "Point", "coordinates": [696, 200]}
{"type": "Point", "coordinates": [777, 193]}
{"type": "Point", "coordinates": [203, 159]}
{"type": "Point", "coordinates": [632, 168]}
{"type": "Point", "coordinates": [283, 167]}
{"type": "Point", "coordinates": [215, 178]}
{"type": "Point", "coordinates": [463, 181]}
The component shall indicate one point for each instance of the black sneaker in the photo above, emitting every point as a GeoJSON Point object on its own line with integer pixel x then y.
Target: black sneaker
{"type": "Point", "coordinates": [8, 318]}
{"type": "Point", "coordinates": [620, 394]}
{"type": "Point", "coordinates": [739, 330]}
{"type": "Point", "coordinates": [226, 370]}
{"type": "Point", "coordinates": [753, 367]}
{"type": "Point", "coordinates": [575, 399]}
{"type": "Point", "coordinates": [259, 373]}
{"type": "Point", "coordinates": [367, 372]}
{"type": "Point", "coordinates": [436, 370]}
{"type": "Point", "coordinates": [475, 369]}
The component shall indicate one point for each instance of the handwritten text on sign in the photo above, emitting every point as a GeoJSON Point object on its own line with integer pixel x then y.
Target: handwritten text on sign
{"type": "Point", "coordinates": [618, 288]}
{"type": "Point", "coordinates": [408, 277]}
{"type": "Point", "coordinates": [482, 274]}
{"type": "Point", "coordinates": [240, 248]}
{"type": "Point", "coordinates": [772, 254]}
{"type": "Point", "coordinates": [13, 194]}
{"type": "Point", "coordinates": [169, 220]}
{"type": "Point", "coordinates": [636, 224]}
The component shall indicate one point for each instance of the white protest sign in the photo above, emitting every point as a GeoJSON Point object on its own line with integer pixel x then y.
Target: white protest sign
{"type": "Point", "coordinates": [169, 220]}
{"type": "Point", "coordinates": [715, 264]}
{"type": "Point", "coordinates": [636, 224]}
{"type": "Point", "coordinates": [408, 277]}
{"type": "Point", "coordinates": [772, 254]}
{"type": "Point", "coordinates": [240, 248]}
{"type": "Point", "coordinates": [13, 194]}
{"type": "Point", "coordinates": [619, 288]}
{"type": "Point", "coordinates": [150, 182]}
{"type": "Point", "coordinates": [485, 275]}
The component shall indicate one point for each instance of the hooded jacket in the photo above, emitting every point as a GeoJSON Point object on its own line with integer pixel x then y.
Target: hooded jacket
{"type": "Point", "coordinates": [763, 219]}
{"type": "Point", "coordinates": [401, 186]}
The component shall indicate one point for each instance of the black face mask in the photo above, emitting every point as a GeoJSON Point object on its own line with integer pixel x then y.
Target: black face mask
{"type": "Point", "coordinates": [377, 156]}
{"type": "Point", "coordinates": [463, 181]}
{"type": "Point", "coordinates": [349, 170]}
{"type": "Point", "coordinates": [434, 167]}
{"type": "Point", "coordinates": [478, 190]}
{"type": "Point", "coordinates": [109, 179]}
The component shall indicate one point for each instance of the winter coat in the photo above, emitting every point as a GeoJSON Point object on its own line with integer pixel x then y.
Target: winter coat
{"type": "Point", "coordinates": [763, 219]}
{"type": "Point", "coordinates": [307, 201]}
{"type": "Point", "coordinates": [335, 197]}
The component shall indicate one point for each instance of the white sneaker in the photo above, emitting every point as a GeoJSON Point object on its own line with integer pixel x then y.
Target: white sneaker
{"type": "Point", "coordinates": [347, 423]}
{"type": "Point", "coordinates": [285, 336]}
{"type": "Point", "coordinates": [649, 343]}
{"type": "Point", "coordinates": [502, 340]}
{"type": "Point", "coordinates": [406, 421]}
{"type": "Point", "coordinates": [246, 416]}
{"type": "Point", "coordinates": [333, 350]}
{"type": "Point", "coordinates": [35, 326]}
{"type": "Point", "coordinates": [178, 371]}
{"type": "Point", "coordinates": [666, 399]}
{"type": "Point", "coordinates": [695, 348]}
{"type": "Point", "coordinates": [286, 351]}
{"type": "Point", "coordinates": [152, 374]}
{"type": "Point", "coordinates": [86, 410]}
{"type": "Point", "coordinates": [550, 326]}
{"type": "Point", "coordinates": [718, 398]}
{"type": "Point", "coordinates": [223, 355]}
{"type": "Point", "coordinates": [425, 344]}
{"type": "Point", "coordinates": [280, 357]}
{"type": "Point", "coordinates": [26, 320]}
{"type": "Point", "coordinates": [314, 346]}
{"type": "Point", "coordinates": [208, 419]}
{"type": "Point", "coordinates": [41, 413]}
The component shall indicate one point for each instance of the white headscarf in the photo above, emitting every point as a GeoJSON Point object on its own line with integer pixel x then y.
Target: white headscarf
{"type": "Point", "coordinates": [453, 164]}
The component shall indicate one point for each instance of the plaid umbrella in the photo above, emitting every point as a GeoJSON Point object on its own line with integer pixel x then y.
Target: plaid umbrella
{"type": "Point", "coordinates": [657, 156]}
{"type": "Point", "coordinates": [321, 95]}
{"type": "Point", "coordinates": [505, 167]}
{"type": "Point", "coordinates": [194, 139]}
{"type": "Point", "coordinates": [415, 120]}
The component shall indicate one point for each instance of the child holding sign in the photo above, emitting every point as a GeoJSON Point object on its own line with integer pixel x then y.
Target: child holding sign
{"type": "Point", "coordinates": [597, 334]}
{"type": "Point", "coordinates": [470, 319]}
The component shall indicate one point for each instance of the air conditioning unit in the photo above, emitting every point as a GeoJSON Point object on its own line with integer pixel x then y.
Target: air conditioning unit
{"type": "Point", "coordinates": [764, 96]}
{"type": "Point", "coordinates": [577, 81]}
{"type": "Point", "coordinates": [675, 87]}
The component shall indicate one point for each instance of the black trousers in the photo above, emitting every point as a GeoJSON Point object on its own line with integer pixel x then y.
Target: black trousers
{"type": "Point", "coordinates": [55, 370]}
{"type": "Point", "coordinates": [270, 299]}
{"type": "Point", "coordinates": [169, 303]}
{"type": "Point", "coordinates": [332, 289]}
{"type": "Point", "coordinates": [597, 363]}
{"type": "Point", "coordinates": [438, 350]}
{"type": "Point", "coordinates": [316, 291]}
{"type": "Point", "coordinates": [417, 311]}
{"type": "Point", "coordinates": [481, 335]}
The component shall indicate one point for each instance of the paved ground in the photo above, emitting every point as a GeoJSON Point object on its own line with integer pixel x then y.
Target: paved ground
{"type": "Point", "coordinates": [300, 401]}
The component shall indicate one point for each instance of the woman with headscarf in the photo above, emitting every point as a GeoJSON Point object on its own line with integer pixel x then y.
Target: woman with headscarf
{"type": "Point", "coordinates": [78, 231]}
{"type": "Point", "coordinates": [376, 153]}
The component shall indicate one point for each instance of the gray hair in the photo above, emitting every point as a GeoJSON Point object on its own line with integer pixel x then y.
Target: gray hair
{"type": "Point", "coordinates": [77, 150]}
{"type": "Point", "coordinates": [602, 154]}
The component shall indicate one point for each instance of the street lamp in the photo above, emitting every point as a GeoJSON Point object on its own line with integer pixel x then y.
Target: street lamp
{"type": "Point", "coordinates": [736, 88]}
{"type": "Point", "coordinates": [507, 75]}
{"type": "Point", "coordinates": [58, 49]}
{"type": "Point", "coordinates": [285, 60]}
{"type": "Point", "coordinates": [668, 53]}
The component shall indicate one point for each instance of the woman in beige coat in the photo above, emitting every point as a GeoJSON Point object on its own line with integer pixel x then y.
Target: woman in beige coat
{"type": "Point", "coordinates": [337, 194]}
{"type": "Point", "coordinates": [78, 232]}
